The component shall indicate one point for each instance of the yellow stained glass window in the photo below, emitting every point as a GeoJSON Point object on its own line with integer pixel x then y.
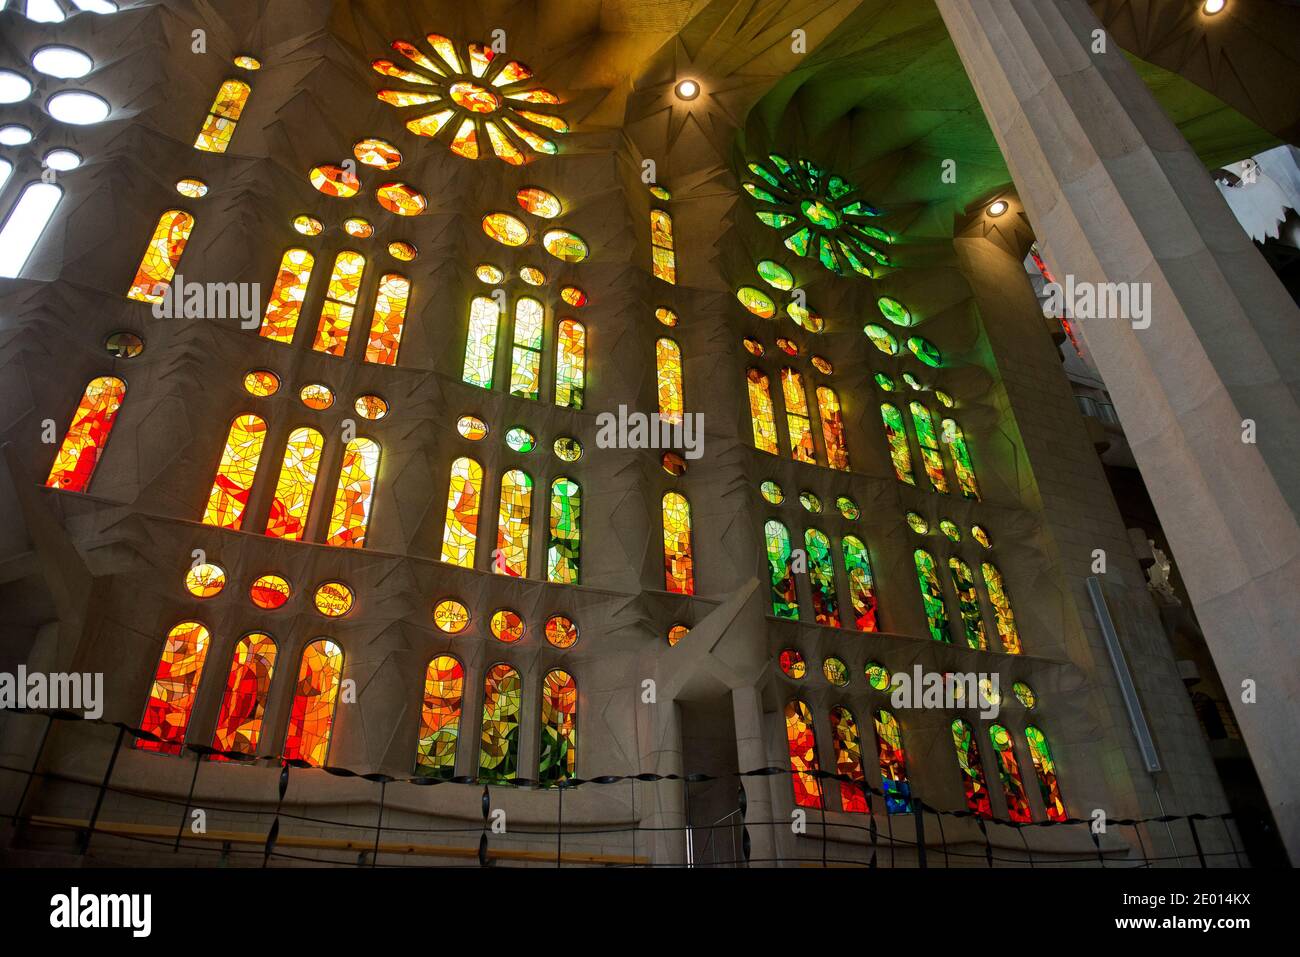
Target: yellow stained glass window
{"type": "Point", "coordinates": [559, 744]}
{"type": "Point", "coordinates": [450, 616]}
{"type": "Point", "coordinates": [370, 407]}
{"type": "Point", "coordinates": [499, 754]}
{"type": "Point", "coordinates": [526, 356]}
{"type": "Point", "coordinates": [506, 626]}
{"type": "Point", "coordinates": [663, 258]}
{"type": "Point", "coordinates": [316, 396]}
{"type": "Point", "coordinates": [801, 740]}
{"type": "Point", "coordinates": [668, 369]}
{"type": "Point", "coordinates": [205, 580]}
{"type": "Point", "coordinates": [381, 154]}
{"type": "Point", "coordinates": [308, 225]}
{"type": "Point", "coordinates": [513, 521]}
{"type": "Point", "coordinates": [358, 227]}
{"type": "Point", "coordinates": [235, 473]}
{"type": "Point", "coordinates": [797, 420]}
{"type": "Point", "coordinates": [337, 181]}
{"type": "Point", "coordinates": [539, 202]}
{"type": "Point", "coordinates": [297, 482]}
{"type": "Point", "coordinates": [460, 532]}
{"type": "Point", "coordinates": [563, 552]}
{"type": "Point", "coordinates": [175, 684]}
{"type": "Point", "coordinates": [227, 108]}
{"type": "Point", "coordinates": [565, 246]}
{"type": "Point", "coordinates": [761, 412]}
{"type": "Point", "coordinates": [401, 199]}
{"type": "Point", "coordinates": [828, 407]}
{"type": "Point", "coordinates": [311, 720]}
{"type": "Point", "coordinates": [402, 250]}
{"type": "Point", "coordinates": [285, 304]}
{"type": "Point", "coordinates": [679, 558]}
{"type": "Point", "coordinates": [350, 517]}
{"type": "Point", "coordinates": [243, 706]}
{"type": "Point", "coordinates": [1006, 618]}
{"type": "Point", "coordinates": [192, 188]}
{"type": "Point", "coordinates": [270, 592]}
{"type": "Point", "coordinates": [389, 319]}
{"type": "Point", "coordinates": [161, 257]}
{"type": "Point", "coordinates": [261, 383]}
{"type": "Point", "coordinates": [340, 303]}
{"type": "Point", "coordinates": [444, 687]}
{"type": "Point", "coordinates": [333, 599]}
{"type": "Point", "coordinates": [83, 444]}
{"type": "Point", "coordinates": [561, 631]}
{"type": "Point", "coordinates": [506, 229]}
{"type": "Point", "coordinates": [571, 364]}
{"type": "Point", "coordinates": [481, 341]}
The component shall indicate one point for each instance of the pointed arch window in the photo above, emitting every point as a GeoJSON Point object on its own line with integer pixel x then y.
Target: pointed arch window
{"type": "Point", "coordinates": [350, 517]}
{"type": "Point", "coordinates": [514, 519]}
{"type": "Point", "coordinates": [931, 458]}
{"type": "Point", "coordinates": [896, 435]}
{"type": "Point", "coordinates": [972, 770]}
{"type": "Point", "coordinates": [762, 412]}
{"type": "Point", "coordinates": [862, 588]}
{"type": "Point", "coordinates": [284, 306]}
{"type": "Point", "coordinates": [460, 530]}
{"type": "Point", "coordinates": [26, 223]}
{"type": "Point", "coordinates": [444, 688]}
{"type": "Point", "coordinates": [499, 755]}
{"type": "Point", "coordinates": [227, 108]}
{"type": "Point", "coordinates": [1004, 746]}
{"type": "Point", "coordinates": [1006, 618]}
{"type": "Point", "coordinates": [563, 554]}
{"type": "Point", "coordinates": [893, 764]}
{"type": "Point", "coordinates": [968, 603]}
{"type": "Point", "coordinates": [936, 613]}
{"type": "Point", "coordinates": [961, 462]}
{"type": "Point", "coordinates": [83, 444]}
{"type": "Point", "coordinates": [663, 257]}
{"type": "Point", "coordinates": [679, 559]}
{"type": "Point", "coordinates": [161, 257]}
{"type": "Point", "coordinates": [1045, 768]}
{"type": "Point", "coordinates": [315, 697]}
{"type": "Point", "coordinates": [388, 320]}
{"type": "Point", "coordinates": [785, 600]}
{"type": "Point", "coordinates": [668, 367]}
{"type": "Point", "coordinates": [176, 682]}
{"type": "Point", "coordinates": [293, 490]}
{"type": "Point", "coordinates": [571, 364]}
{"type": "Point", "coordinates": [340, 303]}
{"type": "Point", "coordinates": [801, 739]}
{"type": "Point", "coordinates": [848, 761]}
{"type": "Point", "coordinates": [235, 473]}
{"type": "Point", "coordinates": [559, 746]}
{"type": "Point", "coordinates": [821, 575]}
{"type": "Point", "coordinates": [828, 407]}
{"type": "Point", "coordinates": [797, 420]}
{"type": "Point", "coordinates": [243, 706]}
{"type": "Point", "coordinates": [481, 341]}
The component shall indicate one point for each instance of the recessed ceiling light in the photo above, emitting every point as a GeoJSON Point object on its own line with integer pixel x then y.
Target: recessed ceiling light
{"type": "Point", "coordinates": [687, 90]}
{"type": "Point", "coordinates": [65, 63]}
{"type": "Point", "coordinates": [998, 208]}
{"type": "Point", "coordinates": [77, 107]}
{"type": "Point", "coordinates": [1211, 7]}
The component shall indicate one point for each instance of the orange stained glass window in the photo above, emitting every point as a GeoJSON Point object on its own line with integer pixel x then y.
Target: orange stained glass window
{"type": "Point", "coordinates": [1013, 788]}
{"type": "Point", "coordinates": [297, 482]}
{"type": "Point", "coordinates": [83, 444]}
{"type": "Point", "coordinates": [444, 688]}
{"type": "Point", "coordinates": [270, 592]}
{"type": "Point", "coordinates": [559, 746]}
{"type": "Point", "coordinates": [796, 417]}
{"type": "Point", "coordinates": [1006, 618]}
{"type": "Point", "coordinates": [499, 754]}
{"type": "Point", "coordinates": [351, 514]}
{"type": "Point", "coordinates": [311, 721]}
{"type": "Point", "coordinates": [802, 742]}
{"type": "Point", "coordinates": [848, 760]}
{"type": "Point", "coordinates": [235, 473]}
{"type": "Point", "coordinates": [513, 521]}
{"type": "Point", "coordinates": [828, 407]}
{"type": "Point", "coordinates": [205, 580]}
{"type": "Point", "coordinates": [175, 683]}
{"type": "Point", "coordinates": [219, 126]}
{"type": "Point", "coordinates": [761, 411]}
{"type": "Point", "coordinates": [161, 257]}
{"type": "Point", "coordinates": [336, 181]}
{"type": "Point", "coordinates": [239, 724]}
{"type": "Point", "coordinates": [460, 533]}
{"type": "Point", "coordinates": [679, 559]}
{"type": "Point", "coordinates": [663, 259]}
{"type": "Point", "coordinates": [401, 199]}
{"type": "Point", "coordinates": [668, 366]}
{"type": "Point", "coordinates": [571, 364]}
{"type": "Point", "coordinates": [388, 320]}
{"type": "Point", "coordinates": [526, 357]}
{"type": "Point", "coordinates": [340, 303]}
{"type": "Point", "coordinates": [285, 304]}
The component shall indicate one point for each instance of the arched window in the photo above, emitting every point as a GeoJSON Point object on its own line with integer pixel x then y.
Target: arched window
{"type": "Point", "coordinates": [802, 739]}
{"type": "Point", "coordinates": [297, 482]}
{"type": "Point", "coordinates": [893, 764]}
{"type": "Point", "coordinates": [968, 603]}
{"type": "Point", "coordinates": [1045, 768]}
{"type": "Point", "coordinates": [388, 320]}
{"type": "Point", "coordinates": [235, 473]}
{"type": "Point", "coordinates": [161, 257]}
{"type": "Point", "coordinates": [961, 464]}
{"type": "Point", "coordinates": [219, 126]}
{"type": "Point", "coordinates": [896, 435]}
{"type": "Point", "coordinates": [311, 722]}
{"type": "Point", "coordinates": [828, 407]}
{"type": "Point", "coordinates": [761, 411]}
{"type": "Point", "coordinates": [176, 682]}
{"type": "Point", "coordinates": [662, 257]}
{"type": "Point", "coordinates": [1006, 619]}
{"type": "Point", "coordinates": [571, 364]}
{"type": "Point", "coordinates": [821, 575]}
{"type": "Point", "coordinates": [514, 517]}
{"type": "Point", "coordinates": [862, 589]}
{"type": "Point", "coordinates": [444, 687]}
{"type": "Point", "coordinates": [350, 517]}
{"type": "Point", "coordinates": [243, 707]}
{"type": "Point", "coordinates": [26, 222]}
{"type": "Point", "coordinates": [526, 358]}
{"type": "Point", "coordinates": [668, 366]}
{"type": "Point", "coordinates": [1009, 771]}
{"type": "Point", "coordinates": [499, 758]}
{"type": "Point", "coordinates": [972, 770]}
{"type": "Point", "coordinates": [796, 417]}
{"type": "Point", "coordinates": [936, 614]}
{"type": "Point", "coordinates": [785, 600]}
{"type": "Point", "coordinates": [481, 341]}
{"type": "Point", "coordinates": [563, 554]}
{"type": "Point", "coordinates": [848, 760]}
{"type": "Point", "coordinates": [931, 457]}
{"type": "Point", "coordinates": [285, 303]}
{"type": "Point", "coordinates": [83, 444]}
{"type": "Point", "coordinates": [460, 531]}
{"type": "Point", "coordinates": [340, 303]}
{"type": "Point", "coordinates": [679, 560]}
{"type": "Point", "coordinates": [559, 748]}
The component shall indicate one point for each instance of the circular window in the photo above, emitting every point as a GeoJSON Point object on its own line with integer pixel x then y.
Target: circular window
{"type": "Point", "coordinates": [792, 663]}
{"type": "Point", "coordinates": [676, 633]}
{"type": "Point", "coordinates": [270, 592]}
{"type": "Point", "coordinates": [78, 107]}
{"type": "Point", "coordinates": [561, 631]}
{"type": "Point", "coordinates": [471, 427]}
{"type": "Point", "coordinates": [205, 580]}
{"type": "Point", "coordinates": [772, 492]}
{"type": "Point", "coordinates": [316, 396]}
{"type": "Point", "coordinates": [371, 407]}
{"type": "Point", "coordinates": [567, 449]}
{"type": "Point", "coordinates": [877, 675]}
{"type": "Point", "coordinates": [450, 616]}
{"type": "Point", "coordinates": [333, 599]}
{"type": "Point", "coordinates": [506, 626]}
{"type": "Point", "coordinates": [124, 345]}
{"type": "Point", "coordinates": [836, 671]}
{"type": "Point", "coordinates": [673, 463]}
{"type": "Point", "coordinates": [261, 383]}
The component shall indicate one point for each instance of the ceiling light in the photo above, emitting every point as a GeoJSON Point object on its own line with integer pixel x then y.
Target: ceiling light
{"type": "Point", "coordinates": [687, 90]}
{"type": "Point", "coordinates": [13, 87]}
{"type": "Point", "coordinates": [65, 63]}
{"type": "Point", "coordinates": [1211, 7]}
{"type": "Point", "coordinates": [998, 208]}
{"type": "Point", "coordinates": [15, 135]}
{"type": "Point", "coordinates": [77, 107]}
{"type": "Point", "coordinates": [62, 160]}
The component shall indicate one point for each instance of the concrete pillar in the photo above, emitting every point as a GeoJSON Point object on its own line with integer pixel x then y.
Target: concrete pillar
{"type": "Point", "coordinates": [751, 753]}
{"type": "Point", "coordinates": [1116, 194]}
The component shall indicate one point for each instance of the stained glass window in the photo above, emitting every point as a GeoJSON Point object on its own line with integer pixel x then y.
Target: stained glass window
{"type": "Point", "coordinates": [1045, 768]}
{"type": "Point", "coordinates": [401, 199]}
{"type": "Point", "coordinates": [668, 366]}
{"type": "Point", "coordinates": [796, 417]}
{"type": "Point", "coordinates": [499, 757]}
{"type": "Point", "coordinates": [388, 320]}
{"type": "Point", "coordinates": [1009, 771]}
{"type": "Point", "coordinates": [936, 615]}
{"type": "Point", "coordinates": [311, 720]}
{"type": "Point", "coordinates": [526, 359]}
{"type": "Point", "coordinates": [559, 728]}
{"type": "Point", "coordinates": [219, 126]}
{"type": "Point", "coordinates": [243, 707]}
{"type": "Point", "coordinates": [451, 616]}
{"type": "Point", "coordinates": [161, 257]}
{"type": "Point", "coordinates": [269, 591]}
{"type": "Point", "coordinates": [896, 435]}
{"type": "Point", "coordinates": [968, 603]}
{"type": "Point", "coordinates": [802, 740]}
{"type": "Point", "coordinates": [32, 213]}
{"type": "Point", "coordinates": [761, 411]}
{"type": "Point", "coordinates": [235, 473]}
{"type": "Point", "coordinates": [792, 664]}
{"type": "Point", "coordinates": [862, 589]}
{"type": "Point", "coordinates": [972, 770]}
{"type": "Point", "coordinates": [756, 301]}
{"type": "Point", "coordinates": [961, 463]}
{"type": "Point", "coordinates": [297, 482]}
{"type": "Point", "coordinates": [564, 551]}
{"type": "Point", "coordinates": [785, 600]}
{"type": "Point", "coordinates": [285, 305]}
{"type": "Point", "coordinates": [1006, 619]}
{"type": "Point", "coordinates": [350, 516]}
{"type": "Point", "coordinates": [679, 560]}
{"type": "Point", "coordinates": [828, 407]}
{"type": "Point", "coordinates": [339, 182]}
{"type": "Point", "coordinates": [481, 342]}
{"type": "Point", "coordinates": [564, 245]}
{"type": "Point", "coordinates": [848, 760]}
{"type": "Point", "coordinates": [662, 257]}
{"type": "Point", "coordinates": [460, 532]}
{"type": "Point", "coordinates": [205, 580]}
{"type": "Point", "coordinates": [444, 687]}
{"type": "Point", "coordinates": [571, 364]}
{"type": "Point", "coordinates": [175, 683]}
{"type": "Point", "coordinates": [91, 425]}
{"type": "Point", "coordinates": [821, 575]}
{"type": "Point", "coordinates": [513, 520]}
{"type": "Point", "coordinates": [340, 303]}
{"type": "Point", "coordinates": [929, 444]}
{"type": "Point", "coordinates": [893, 764]}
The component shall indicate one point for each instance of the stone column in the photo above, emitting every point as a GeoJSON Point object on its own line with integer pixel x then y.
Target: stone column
{"type": "Point", "coordinates": [1117, 195]}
